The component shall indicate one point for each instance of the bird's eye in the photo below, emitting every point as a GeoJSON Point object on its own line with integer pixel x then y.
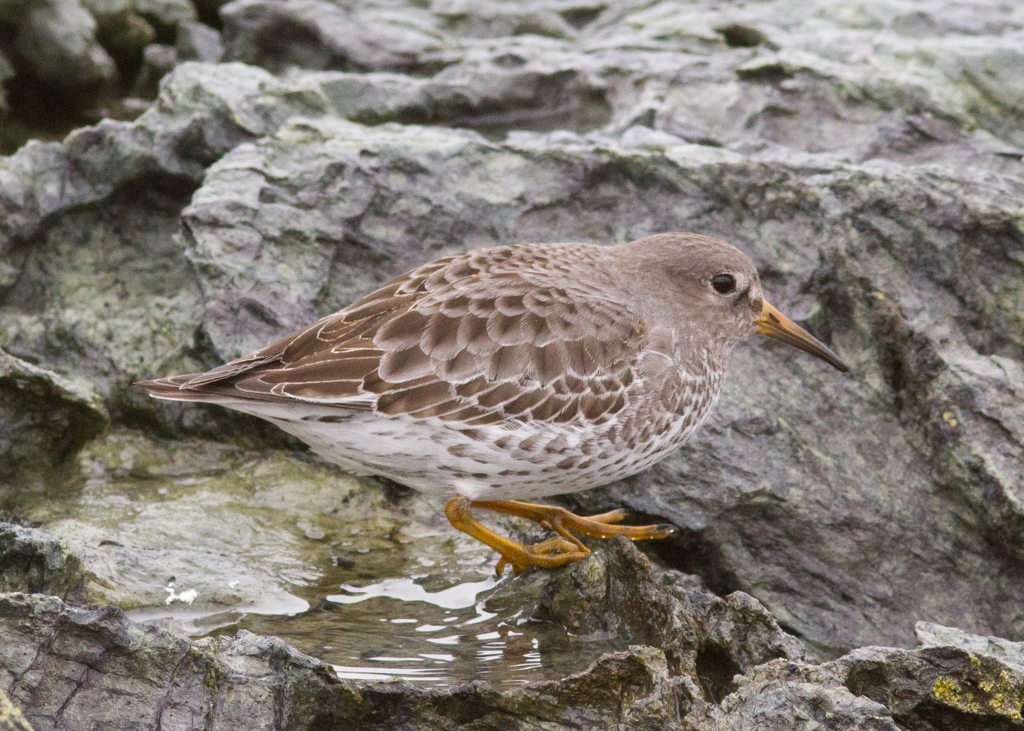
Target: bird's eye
{"type": "Point", "coordinates": [724, 283]}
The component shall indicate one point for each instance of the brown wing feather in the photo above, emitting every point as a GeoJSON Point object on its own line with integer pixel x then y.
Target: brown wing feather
{"type": "Point", "coordinates": [479, 337]}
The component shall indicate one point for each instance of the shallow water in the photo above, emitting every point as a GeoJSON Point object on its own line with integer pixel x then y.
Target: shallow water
{"type": "Point", "coordinates": [206, 539]}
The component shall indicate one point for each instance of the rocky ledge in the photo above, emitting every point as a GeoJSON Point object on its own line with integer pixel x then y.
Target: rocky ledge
{"type": "Point", "coordinates": [695, 661]}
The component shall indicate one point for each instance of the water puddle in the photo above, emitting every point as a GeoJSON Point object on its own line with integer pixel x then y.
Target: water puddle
{"type": "Point", "coordinates": [399, 628]}
{"type": "Point", "coordinates": [203, 539]}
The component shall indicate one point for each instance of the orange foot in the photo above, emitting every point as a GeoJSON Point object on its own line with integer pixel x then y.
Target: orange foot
{"type": "Point", "coordinates": [566, 548]}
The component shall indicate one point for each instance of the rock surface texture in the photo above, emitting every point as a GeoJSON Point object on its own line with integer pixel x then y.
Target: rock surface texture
{"type": "Point", "coordinates": [76, 668]}
{"type": "Point", "coordinates": [261, 163]}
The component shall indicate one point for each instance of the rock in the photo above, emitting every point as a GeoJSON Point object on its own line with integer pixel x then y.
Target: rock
{"type": "Point", "coordinates": [495, 90]}
{"type": "Point", "coordinates": [11, 718]}
{"type": "Point", "coordinates": [251, 680]}
{"type": "Point", "coordinates": [315, 34]}
{"type": "Point", "coordinates": [165, 15]}
{"type": "Point", "coordinates": [123, 33]}
{"type": "Point", "coordinates": [937, 686]}
{"type": "Point", "coordinates": [157, 61]}
{"type": "Point", "coordinates": [33, 561]}
{"type": "Point", "coordinates": [204, 112]}
{"type": "Point", "coordinates": [497, 20]}
{"type": "Point", "coordinates": [229, 529]}
{"type": "Point", "coordinates": [44, 420]}
{"type": "Point", "coordinates": [170, 14]}
{"type": "Point", "coordinates": [768, 701]}
{"type": "Point", "coordinates": [48, 646]}
{"type": "Point", "coordinates": [300, 223]}
{"type": "Point", "coordinates": [6, 73]}
{"type": "Point", "coordinates": [57, 43]}
{"type": "Point", "coordinates": [930, 634]}
{"type": "Point", "coordinates": [198, 42]}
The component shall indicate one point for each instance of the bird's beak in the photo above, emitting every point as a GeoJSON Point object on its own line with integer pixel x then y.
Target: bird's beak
{"type": "Point", "coordinates": [776, 325]}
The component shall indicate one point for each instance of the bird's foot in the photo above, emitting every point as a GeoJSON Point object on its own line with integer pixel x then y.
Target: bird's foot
{"type": "Point", "coordinates": [552, 552]}
{"type": "Point", "coordinates": [557, 551]}
{"type": "Point", "coordinates": [562, 521]}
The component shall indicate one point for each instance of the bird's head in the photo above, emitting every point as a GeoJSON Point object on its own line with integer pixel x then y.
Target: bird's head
{"type": "Point", "coordinates": [708, 287]}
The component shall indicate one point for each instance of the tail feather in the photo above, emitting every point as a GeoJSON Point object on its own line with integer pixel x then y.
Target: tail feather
{"type": "Point", "coordinates": [179, 388]}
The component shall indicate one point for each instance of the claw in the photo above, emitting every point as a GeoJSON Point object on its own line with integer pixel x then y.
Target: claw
{"type": "Point", "coordinates": [557, 551]}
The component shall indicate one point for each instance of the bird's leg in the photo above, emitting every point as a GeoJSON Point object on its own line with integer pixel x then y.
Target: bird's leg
{"type": "Point", "coordinates": [552, 552]}
{"type": "Point", "coordinates": [562, 521]}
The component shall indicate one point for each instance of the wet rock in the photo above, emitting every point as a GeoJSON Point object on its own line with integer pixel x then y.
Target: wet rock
{"type": "Point", "coordinates": [906, 285]}
{"type": "Point", "coordinates": [49, 645]}
{"type": "Point", "coordinates": [236, 683]}
{"type": "Point", "coordinates": [33, 561]}
{"type": "Point", "coordinates": [735, 478]}
{"type": "Point", "coordinates": [194, 533]}
{"type": "Point", "coordinates": [44, 420]}
{"type": "Point", "coordinates": [616, 593]}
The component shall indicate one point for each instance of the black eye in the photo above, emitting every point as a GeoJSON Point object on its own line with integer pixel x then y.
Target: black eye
{"type": "Point", "coordinates": [724, 283]}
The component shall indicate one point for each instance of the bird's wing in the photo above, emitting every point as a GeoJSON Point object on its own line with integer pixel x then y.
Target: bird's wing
{"type": "Point", "coordinates": [481, 337]}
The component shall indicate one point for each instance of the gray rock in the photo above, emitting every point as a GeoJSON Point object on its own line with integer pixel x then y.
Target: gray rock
{"type": "Point", "coordinates": [936, 687]}
{"type": "Point", "coordinates": [49, 646]}
{"type": "Point", "coordinates": [302, 222]}
{"type": "Point", "coordinates": [495, 90]}
{"type": "Point", "coordinates": [57, 42]}
{"type": "Point", "coordinates": [198, 42]}
{"type": "Point", "coordinates": [930, 634]}
{"type": "Point", "coordinates": [163, 13]}
{"type": "Point", "coordinates": [11, 718]}
{"type": "Point", "coordinates": [172, 13]}
{"type": "Point", "coordinates": [497, 20]}
{"type": "Point", "coordinates": [32, 561]}
{"type": "Point", "coordinates": [44, 420]}
{"type": "Point", "coordinates": [616, 593]}
{"type": "Point", "coordinates": [146, 678]}
{"type": "Point", "coordinates": [203, 112]}
{"type": "Point", "coordinates": [157, 62]}
{"type": "Point", "coordinates": [316, 34]}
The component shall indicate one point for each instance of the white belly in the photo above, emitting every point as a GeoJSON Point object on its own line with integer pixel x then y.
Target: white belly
{"type": "Point", "coordinates": [518, 460]}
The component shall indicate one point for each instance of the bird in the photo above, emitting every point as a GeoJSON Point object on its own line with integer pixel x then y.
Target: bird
{"type": "Point", "coordinates": [503, 375]}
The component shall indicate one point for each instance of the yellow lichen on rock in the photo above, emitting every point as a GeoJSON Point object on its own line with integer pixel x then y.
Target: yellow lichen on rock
{"type": "Point", "coordinates": [987, 689]}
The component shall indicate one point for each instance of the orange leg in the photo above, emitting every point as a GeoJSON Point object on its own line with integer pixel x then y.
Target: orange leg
{"type": "Point", "coordinates": [567, 548]}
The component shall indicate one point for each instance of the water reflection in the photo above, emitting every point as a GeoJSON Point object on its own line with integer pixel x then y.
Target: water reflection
{"type": "Point", "coordinates": [407, 590]}
{"type": "Point", "coordinates": [401, 629]}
